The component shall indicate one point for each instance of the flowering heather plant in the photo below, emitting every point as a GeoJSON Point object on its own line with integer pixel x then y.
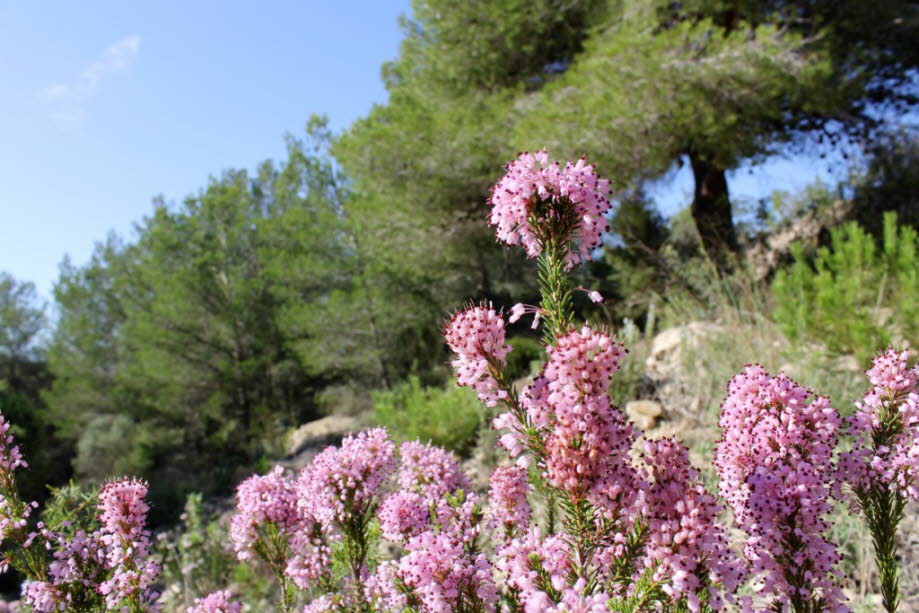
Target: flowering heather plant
{"type": "Point", "coordinates": [581, 518]}
{"type": "Point", "coordinates": [687, 547]}
{"type": "Point", "coordinates": [106, 570]}
{"type": "Point", "coordinates": [774, 462]}
{"type": "Point", "coordinates": [882, 468]}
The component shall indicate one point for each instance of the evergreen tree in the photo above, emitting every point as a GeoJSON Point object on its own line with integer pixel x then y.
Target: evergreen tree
{"type": "Point", "coordinates": [714, 82]}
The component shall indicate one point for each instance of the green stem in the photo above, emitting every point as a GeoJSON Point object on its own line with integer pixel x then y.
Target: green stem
{"type": "Point", "coordinates": [883, 506]}
{"type": "Point", "coordinates": [286, 603]}
{"type": "Point", "coordinates": [883, 509]}
{"type": "Point", "coordinates": [555, 290]}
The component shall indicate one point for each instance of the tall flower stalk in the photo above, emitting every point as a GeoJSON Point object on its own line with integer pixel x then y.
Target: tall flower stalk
{"type": "Point", "coordinates": [882, 468]}
{"type": "Point", "coordinates": [774, 463]}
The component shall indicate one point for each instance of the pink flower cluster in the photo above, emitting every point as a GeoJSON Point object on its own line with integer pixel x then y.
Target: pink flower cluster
{"type": "Point", "coordinates": [510, 510]}
{"type": "Point", "coordinates": [572, 192]}
{"type": "Point", "coordinates": [587, 439]}
{"type": "Point", "coordinates": [536, 567]}
{"type": "Point", "coordinates": [403, 515]}
{"type": "Point", "coordinates": [123, 513]}
{"type": "Point", "coordinates": [891, 406]}
{"type": "Point", "coordinates": [261, 500]}
{"type": "Point", "coordinates": [476, 336]}
{"type": "Point", "coordinates": [343, 481]}
{"type": "Point", "coordinates": [10, 456]}
{"type": "Point", "coordinates": [216, 602]}
{"type": "Point", "coordinates": [444, 576]}
{"type": "Point", "coordinates": [78, 566]}
{"type": "Point", "coordinates": [339, 489]}
{"type": "Point", "coordinates": [775, 470]}
{"type": "Point", "coordinates": [429, 471]}
{"type": "Point", "coordinates": [13, 516]}
{"type": "Point", "coordinates": [687, 546]}
{"type": "Point", "coordinates": [443, 568]}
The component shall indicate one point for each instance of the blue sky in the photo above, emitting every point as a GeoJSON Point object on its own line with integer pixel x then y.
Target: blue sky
{"type": "Point", "coordinates": [104, 105]}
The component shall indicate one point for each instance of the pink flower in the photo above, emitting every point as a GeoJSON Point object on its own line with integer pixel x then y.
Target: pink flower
{"type": "Point", "coordinates": [510, 510]}
{"type": "Point", "coordinates": [263, 501]}
{"type": "Point", "coordinates": [575, 599]}
{"type": "Point", "coordinates": [517, 311]}
{"type": "Point", "coordinates": [403, 515]}
{"type": "Point", "coordinates": [445, 576]}
{"type": "Point", "coordinates": [44, 597]}
{"type": "Point", "coordinates": [535, 567]}
{"type": "Point", "coordinates": [10, 456]}
{"type": "Point", "coordinates": [343, 481]}
{"type": "Point", "coordinates": [311, 554]}
{"type": "Point", "coordinates": [429, 471]}
{"type": "Point", "coordinates": [476, 336]}
{"type": "Point", "coordinates": [587, 439]}
{"type": "Point", "coordinates": [687, 546]}
{"type": "Point", "coordinates": [890, 410]}
{"type": "Point", "coordinates": [123, 510]}
{"type": "Point", "coordinates": [216, 602]}
{"type": "Point", "coordinates": [123, 514]}
{"type": "Point", "coordinates": [775, 470]}
{"type": "Point", "coordinates": [537, 198]}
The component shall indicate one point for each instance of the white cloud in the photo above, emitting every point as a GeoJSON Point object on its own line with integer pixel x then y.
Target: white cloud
{"type": "Point", "coordinates": [72, 97]}
{"type": "Point", "coordinates": [57, 91]}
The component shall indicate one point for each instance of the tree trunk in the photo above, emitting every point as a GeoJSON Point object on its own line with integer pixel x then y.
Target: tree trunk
{"type": "Point", "coordinates": [711, 209]}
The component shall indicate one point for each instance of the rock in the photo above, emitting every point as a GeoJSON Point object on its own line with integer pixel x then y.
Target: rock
{"type": "Point", "coordinates": [644, 413]}
{"type": "Point", "coordinates": [664, 358]}
{"type": "Point", "coordinates": [766, 254]}
{"type": "Point", "coordinates": [664, 354]}
{"type": "Point", "coordinates": [319, 433]}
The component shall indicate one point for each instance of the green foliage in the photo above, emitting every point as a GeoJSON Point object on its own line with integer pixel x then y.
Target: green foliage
{"type": "Point", "coordinates": [72, 508]}
{"type": "Point", "coordinates": [22, 320]}
{"type": "Point", "coordinates": [856, 296]}
{"type": "Point", "coordinates": [24, 376]}
{"type": "Point", "coordinates": [525, 354]}
{"type": "Point", "coordinates": [462, 69]}
{"type": "Point", "coordinates": [633, 258]}
{"type": "Point", "coordinates": [659, 83]}
{"type": "Point", "coordinates": [446, 416]}
{"type": "Point", "coordinates": [111, 445]}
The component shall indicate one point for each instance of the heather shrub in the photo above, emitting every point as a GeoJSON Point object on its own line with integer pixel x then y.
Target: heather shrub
{"type": "Point", "coordinates": [586, 513]}
{"type": "Point", "coordinates": [856, 294]}
{"type": "Point", "coordinates": [446, 416]}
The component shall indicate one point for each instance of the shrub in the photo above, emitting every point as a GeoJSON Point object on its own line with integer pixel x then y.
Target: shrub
{"type": "Point", "coordinates": [854, 296]}
{"type": "Point", "coordinates": [446, 416]}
